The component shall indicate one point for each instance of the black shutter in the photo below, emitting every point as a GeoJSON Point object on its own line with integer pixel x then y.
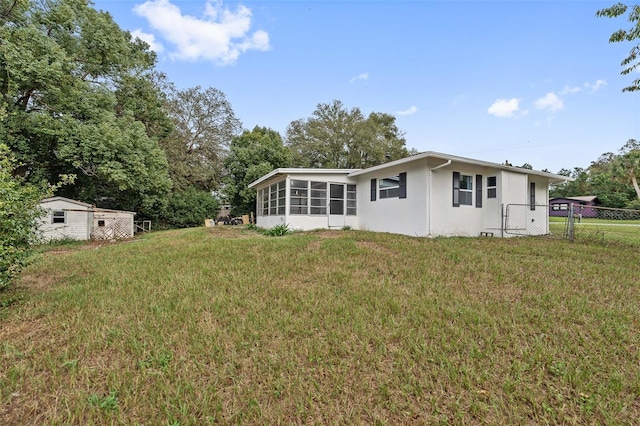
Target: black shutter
{"type": "Point", "coordinates": [456, 189]}
{"type": "Point", "coordinates": [478, 191]}
{"type": "Point", "coordinates": [403, 186]}
{"type": "Point", "coordinates": [374, 189]}
{"type": "Point", "coordinates": [532, 195]}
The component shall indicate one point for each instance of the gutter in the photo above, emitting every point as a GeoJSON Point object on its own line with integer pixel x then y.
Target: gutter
{"type": "Point", "coordinates": [431, 190]}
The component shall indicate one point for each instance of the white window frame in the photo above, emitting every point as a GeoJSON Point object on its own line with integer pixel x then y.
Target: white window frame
{"type": "Point", "coordinates": [55, 214]}
{"type": "Point", "coordinates": [352, 197]}
{"type": "Point", "coordinates": [492, 190]}
{"type": "Point", "coordinates": [389, 187]}
{"type": "Point", "coordinates": [298, 196]}
{"type": "Point", "coordinates": [466, 190]}
{"type": "Point", "coordinates": [318, 198]}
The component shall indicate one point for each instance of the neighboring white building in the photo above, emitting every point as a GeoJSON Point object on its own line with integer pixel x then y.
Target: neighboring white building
{"type": "Point", "coordinates": [428, 194]}
{"type": "Point", "coordinates": [66, 218]}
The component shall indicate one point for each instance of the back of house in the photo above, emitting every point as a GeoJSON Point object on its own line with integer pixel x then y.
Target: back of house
{"type": "Point", "coordinates": [429, 194]}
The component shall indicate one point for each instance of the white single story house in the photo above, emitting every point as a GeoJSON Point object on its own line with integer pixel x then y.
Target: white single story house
{"type": "Point", "coordinates": [425, 195]}
{"type": "Point", "coordinates": [66, 218]}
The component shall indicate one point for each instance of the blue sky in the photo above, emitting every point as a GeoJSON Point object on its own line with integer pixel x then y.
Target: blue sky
{"type": "Point", "coordinates": [523, 81]}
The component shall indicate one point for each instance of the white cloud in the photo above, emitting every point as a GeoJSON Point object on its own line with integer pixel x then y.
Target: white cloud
{"type": "Point", "coordinates": [570, 90]}
{"type": "Point", "coordinates": [364, 76]}
{"type": "Point", "coordinates": [220, 35]}
{"type": "Point", "coordinates": [409, 111]}
{"type": "Point", "coordinates": [505, 108]}
{"type": "Point", "coordinates": [595, 86]}
{"type": "Point", "coordinates": [150, 39]}
{"type": "Point", "coordinates": [549, 101]}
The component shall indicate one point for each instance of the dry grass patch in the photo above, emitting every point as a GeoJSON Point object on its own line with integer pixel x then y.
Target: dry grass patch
{"type": "Point", "coordinates": [224, 325]}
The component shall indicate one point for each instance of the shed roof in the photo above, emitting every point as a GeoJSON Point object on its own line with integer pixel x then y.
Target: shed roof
{"type": "Point", "coordinates": [586, 198]}
{"type": "Point", "coordinates": [68, 200]}
{"type": "Point", "coordinates": [89, 207]}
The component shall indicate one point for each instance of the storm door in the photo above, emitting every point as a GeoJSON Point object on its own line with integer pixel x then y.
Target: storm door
{"type": "Point", "coordinates": [336, 205]}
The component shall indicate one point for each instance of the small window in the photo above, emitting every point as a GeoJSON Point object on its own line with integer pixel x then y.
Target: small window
{"type": "Point", "coordinates": [101, 222]}
{"type": "Point", "coordinates": [389, 187]}
{"type": "Point", "coordinates": [281, 198]}
{"type": "Point", "coordinates": [351, 200]}
{"type": "Point", "coordinates": [462, 190]}
{"type": "Point", "coordinates": [59, 217]}
{"type": "Point", "coordinates": [532, 195]}
{"type": "Point", "coordinates": [466, 190]}
{"type": "Point", "coordinates": [265, 202]}
{"type": "Point", "coordinates": [492, 187]}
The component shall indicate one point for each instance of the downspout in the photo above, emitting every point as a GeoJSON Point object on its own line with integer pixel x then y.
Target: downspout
{"type": "Point", "coordinates": [430, 191]}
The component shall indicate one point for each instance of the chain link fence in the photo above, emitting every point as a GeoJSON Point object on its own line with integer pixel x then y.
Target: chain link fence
{"type": "Point", "coordinates": [575, 222]}
{"type": "Point", "coordinates": [525, 219]}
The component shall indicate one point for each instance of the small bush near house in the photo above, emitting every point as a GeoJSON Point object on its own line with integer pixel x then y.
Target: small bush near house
{"type": "Point", "coordinates": [276, 231]}
{"type": "Point", "coordinates": [189, 208]}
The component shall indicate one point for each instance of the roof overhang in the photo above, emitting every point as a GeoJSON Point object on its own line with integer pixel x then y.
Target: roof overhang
{"type": "Point", "coordinates": [553, 178]}
{"type": "Point", "coordinates": [299, 171]}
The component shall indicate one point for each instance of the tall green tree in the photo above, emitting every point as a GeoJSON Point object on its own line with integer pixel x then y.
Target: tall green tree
{"type": "Point", "coordinates": [627, 164]}
{"type": "Point", "coordinates": [205, 124]}
{"type": "Point", "coordinates": [65, 72]}
{"type": "Point", "coordinates": [337, 137]}
{"type": "Point", "coordinates": [251, 155]}
{"type": "Point", "coordinates": [631, 34]}
{"type": "Point", "coordinates": [610, 177]}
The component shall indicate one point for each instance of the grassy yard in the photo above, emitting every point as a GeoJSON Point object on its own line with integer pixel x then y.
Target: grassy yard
{"type": "Point", "coordinates": [224, 325]}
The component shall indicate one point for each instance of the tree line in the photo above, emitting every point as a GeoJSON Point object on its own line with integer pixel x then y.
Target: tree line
{"type": "Point", "coordinates": [81, 97]}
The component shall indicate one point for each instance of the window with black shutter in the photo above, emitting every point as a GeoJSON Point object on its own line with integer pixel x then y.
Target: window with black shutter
{"type": "Point", "coordinates": [374, 189]}
{"type": "Point", "coordinates": [456, 189]}
{"type": "Point", "coordinates": [403, 186]}
{"type": "Point", "coordinates": [479, 191]}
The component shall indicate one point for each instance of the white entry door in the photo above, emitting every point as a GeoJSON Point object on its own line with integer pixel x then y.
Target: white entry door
{"type": "Point", "coordinates": [336, 205]}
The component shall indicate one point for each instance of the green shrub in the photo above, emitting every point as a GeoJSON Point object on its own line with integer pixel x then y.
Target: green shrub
{"type": "Point", "coordinates": [278, 230]}
{"type": "Point", "coordinates": [189, 208]}
{"type": "Point", "coordinates": [19, 213]}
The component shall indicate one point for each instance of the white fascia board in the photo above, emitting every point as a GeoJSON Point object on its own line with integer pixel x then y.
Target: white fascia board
{"type": "Point", "coordinates": [553, 178]}
{"type": "Point", "coordinates": [294, 171]}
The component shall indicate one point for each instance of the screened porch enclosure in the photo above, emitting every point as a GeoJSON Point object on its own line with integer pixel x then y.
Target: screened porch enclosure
{"type": "Point", "coordinates": [307, 202]}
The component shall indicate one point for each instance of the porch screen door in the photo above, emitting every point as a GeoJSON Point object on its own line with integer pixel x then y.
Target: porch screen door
{"type": "Point", "coordinates": [336, 205]}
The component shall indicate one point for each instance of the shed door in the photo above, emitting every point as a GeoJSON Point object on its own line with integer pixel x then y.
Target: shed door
{"type": "Point", "coordinates": [336, 205]}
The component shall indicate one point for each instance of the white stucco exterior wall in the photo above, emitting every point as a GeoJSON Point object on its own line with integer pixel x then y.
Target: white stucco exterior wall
{"type": "Point", "coordinates": [396, 215]}
{"type": "Point", "coordinates": [463, 220]}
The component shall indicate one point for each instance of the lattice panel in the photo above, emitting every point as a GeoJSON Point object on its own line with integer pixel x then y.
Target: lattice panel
{"type": "Point", "coordinates": [112, 228]}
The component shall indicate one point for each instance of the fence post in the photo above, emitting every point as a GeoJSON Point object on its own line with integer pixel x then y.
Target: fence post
{"type": "Point", "coordinates": [571, 230]}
